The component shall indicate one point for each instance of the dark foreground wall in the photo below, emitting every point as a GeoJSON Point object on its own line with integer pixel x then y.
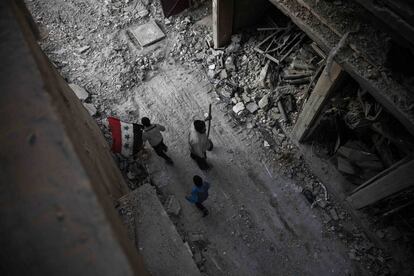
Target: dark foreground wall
{"type": "Point", "coordinates": [58, 181]}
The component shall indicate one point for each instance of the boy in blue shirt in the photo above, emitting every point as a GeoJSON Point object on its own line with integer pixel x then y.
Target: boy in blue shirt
{"type": "Point", "coordinates": [199, 194]}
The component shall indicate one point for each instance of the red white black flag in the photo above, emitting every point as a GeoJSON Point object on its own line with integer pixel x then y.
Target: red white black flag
{"type": "Point", "coordinates": [126, 137]}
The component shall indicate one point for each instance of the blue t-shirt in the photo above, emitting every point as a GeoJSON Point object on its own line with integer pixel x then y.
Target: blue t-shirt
{"type": "Point", "coordinates": [199, 194]}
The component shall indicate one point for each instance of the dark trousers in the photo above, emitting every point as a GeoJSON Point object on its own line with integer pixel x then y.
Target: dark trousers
{"type": "Point", "coordinates": [201, 162]}
{"type": "Point", "coordinates": [201, 207]}
{"type": "Point", "coordinates": [160, 149]}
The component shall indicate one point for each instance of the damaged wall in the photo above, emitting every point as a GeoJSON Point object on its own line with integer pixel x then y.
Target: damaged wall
{"type": "Point", "coordinates": [58, 178]}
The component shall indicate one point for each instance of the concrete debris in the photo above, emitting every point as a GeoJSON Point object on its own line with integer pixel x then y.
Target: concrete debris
{"type": "Point", "coordinates": [147, 34]}
{"type": "Point", "coordinates": [239, 108]}
{"type": "Point", "coordinates": [83, 49]}
{"type": "Point", "coordinates": [264, 102]}
{"type": "Point", "coordinates": [79, 91]}
{"type": "Point", "coordinates": [234, 46]}
{"type": "Point", "coordinates": [229, 64]}
{"type": "Point", "coordinates": [172, 206]}
{"type": "Point", "coordinates": [196, 237]}
{"type": "Point", "coordinates": [211, 74]}
{"type": "Point", "coordinates": [246, 99]}
{"type": "Point", "coordinates": [261, 81]}
{"type": "Point", "coordinates": [223, 74]}
{"type": "Point", "coordinates": [226, 92]}
{"type": "Point", "coordinates": [252, 107]}
{"type": "Point", "coordinates": [90, 108]}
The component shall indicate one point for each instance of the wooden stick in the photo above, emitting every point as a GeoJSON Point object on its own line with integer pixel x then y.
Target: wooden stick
{"type": "Point", "coordinates": [292, 48]}
{"type": "Point", "coordinates": [209, 121]}
{"type": "Point", "coordinates": [267, 55]}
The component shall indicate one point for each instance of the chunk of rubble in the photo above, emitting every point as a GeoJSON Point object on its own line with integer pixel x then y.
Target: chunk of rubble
{"type": "Point", "coordinates": [273, 114]}
{"type": "Point", "coordinates": [83, 49]}
{"type": "Point", "coordinates": [172, 206]}
{"type": "Point", "coordinates": [261, 81]}
{"type": "Point", "coordinates": [252, 107]}
{"type": "Point", "coordinates": [264, 102]}
{"type": "Point", "coordinates": [80, 92]}
{"type": "Point", "coordinates": [246, 98]}
{"type": "Point", "coordinates": [196, 237]}
{"type": "Point", "coordinates": [229, 64]}
{"type": "Point", "coordinates": [239, 108]}
{"type": "Point", "coordinates": [147, 34]}
{"type": "Point", "coordinates": [91, 108]}
{"type": "Point", "coordinates": [223, 74]}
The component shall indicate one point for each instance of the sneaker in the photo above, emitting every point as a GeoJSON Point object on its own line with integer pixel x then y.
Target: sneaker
{"type": "Point", "coordinates": [205, 213]}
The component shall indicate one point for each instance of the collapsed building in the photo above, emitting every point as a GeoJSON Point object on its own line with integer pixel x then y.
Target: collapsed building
{"type": "Point", "coordinates": [330, 79]}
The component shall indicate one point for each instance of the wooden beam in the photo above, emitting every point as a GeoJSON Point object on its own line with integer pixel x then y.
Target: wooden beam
{"type": "Point", "coordinates": [222, 22]}
{"type": "Point", "coordinates": [353, 58]}
{"type": "Point", "coordinates": [323, 89]}
{"type": "Point", "coordinates": [398, 179]}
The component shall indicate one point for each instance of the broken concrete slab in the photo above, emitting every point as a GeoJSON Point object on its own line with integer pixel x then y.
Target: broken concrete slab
{"type": "Point", "coordinates": [264, 102]}
{"type": "Point", "coordinates": [252, 107]}
{"type": "Point", "coordinates": [148, 33]}
{"type": "Point", "coordinates": [158, 238]}
{"type": "Point", "coordinates": [239, 108]}
{"type": "Point", "coordinates": [91, 108]}
{"type": "Point", "coordinates": [80, 92]}
{"type": "Point", "coordinates": [229, 64]}
{"type": "Point", "coordinates": [223, 74]}
{"type": "Point", "coordinates": [172, 206]}
{"type": "Point", "coordinates": [261, 81]}
{"type": "Point", "coordinates": [246, 99]}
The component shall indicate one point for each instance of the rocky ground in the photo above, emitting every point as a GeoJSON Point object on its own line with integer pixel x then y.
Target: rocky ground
{"type": "Point", "coordinates": [90, 44]}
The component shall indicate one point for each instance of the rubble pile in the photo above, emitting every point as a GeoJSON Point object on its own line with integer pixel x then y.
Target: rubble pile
{"type": "Point", "coordinates": [263, 84]}
{"type": "Point", "coordinates": [361, 136]}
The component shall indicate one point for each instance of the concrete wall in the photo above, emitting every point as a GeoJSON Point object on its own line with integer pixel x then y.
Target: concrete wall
{"type": "Point", "coordinates": [58, 180]}
{"type": "Point", "coordinates": [248, 12]}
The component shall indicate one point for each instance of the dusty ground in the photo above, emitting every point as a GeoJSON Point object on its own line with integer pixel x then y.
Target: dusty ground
{"type": "Point", "coordinates": [260, 223]}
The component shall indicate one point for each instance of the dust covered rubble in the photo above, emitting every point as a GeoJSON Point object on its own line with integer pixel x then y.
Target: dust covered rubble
{"type": "Point", "coordinates": [254, 91]}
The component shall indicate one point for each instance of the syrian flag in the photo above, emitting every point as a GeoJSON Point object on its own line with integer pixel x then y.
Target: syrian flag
{"type": "Point", "coordinates": [126, 137]}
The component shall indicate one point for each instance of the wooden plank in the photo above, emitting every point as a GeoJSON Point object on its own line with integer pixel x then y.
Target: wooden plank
{"type": "Point", "coordinates": [395, 181]}
{"type": "Point", "coordinates": [323, 88]}
{"type": "Point", "coordinates": [222, 22]}
{"type": "Point", "coordinates": [386, 90]}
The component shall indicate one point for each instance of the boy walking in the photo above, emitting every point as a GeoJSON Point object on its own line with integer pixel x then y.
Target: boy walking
{"type": "Point", "coordinates": [152, 134]}
{"type": "Point", "coordinates": [199, 144]}
{"type": "Point", "coordinates": [199, 194]}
